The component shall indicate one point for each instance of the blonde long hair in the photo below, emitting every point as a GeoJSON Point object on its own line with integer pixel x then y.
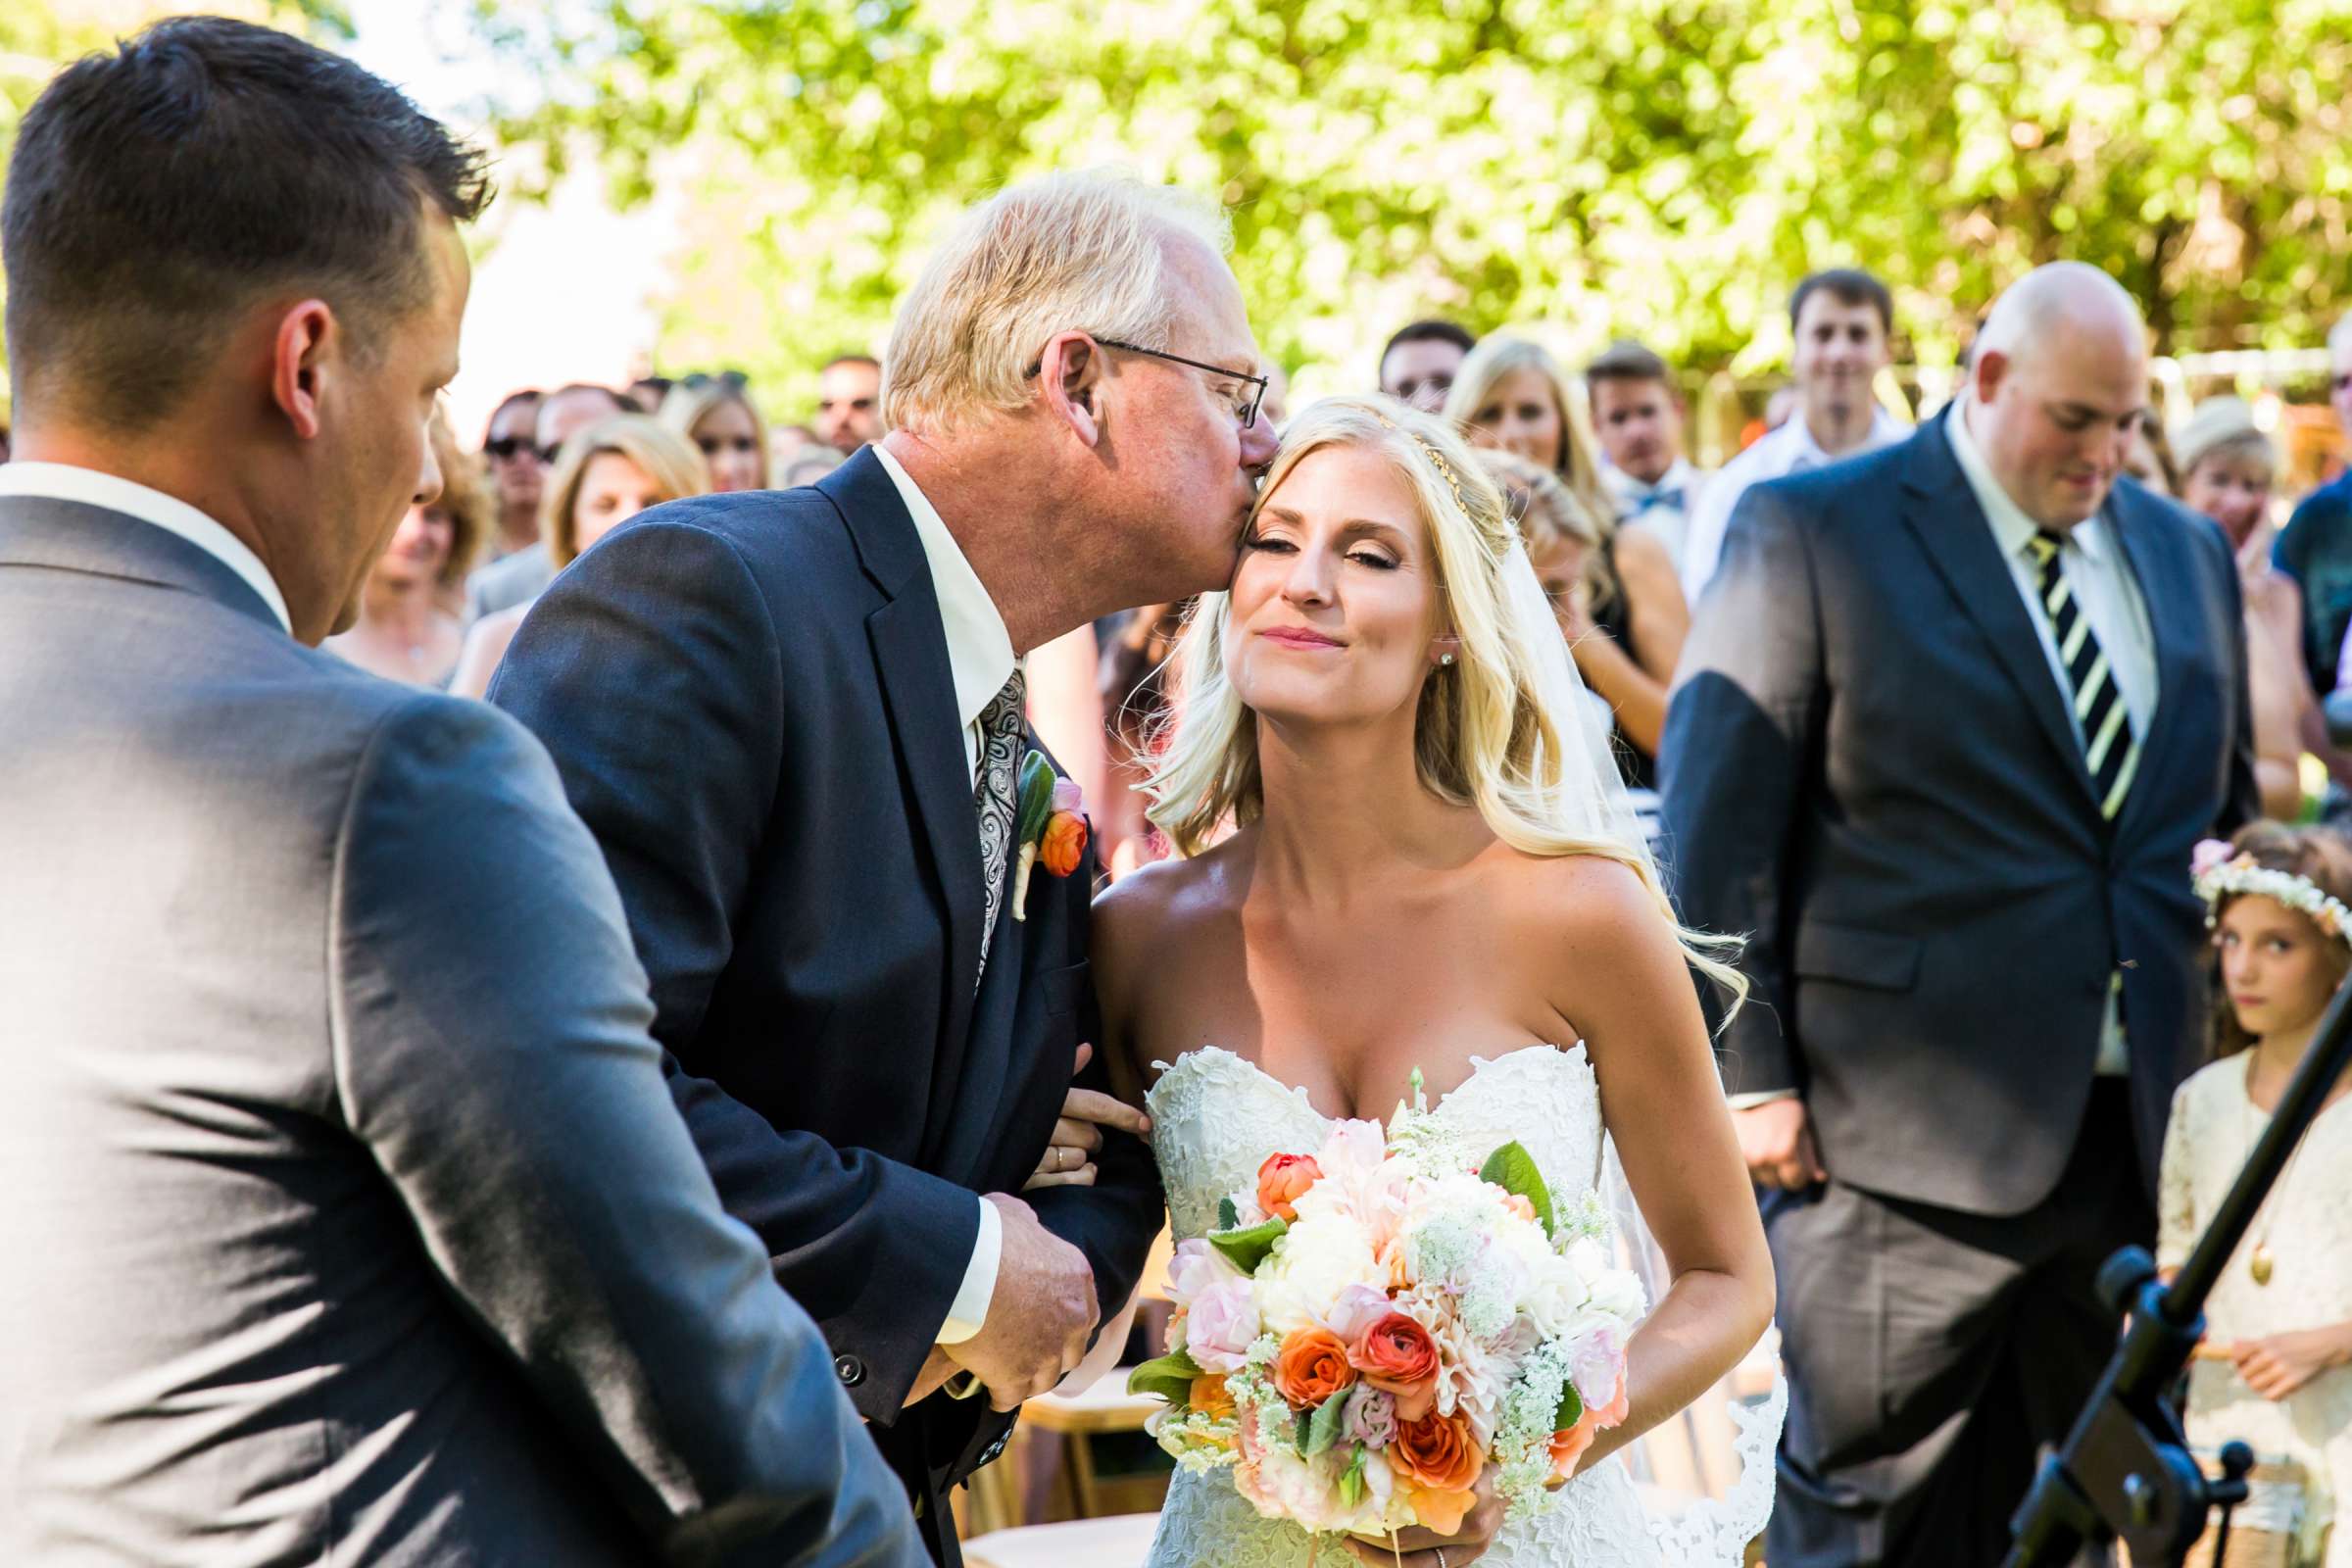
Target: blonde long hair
{"type": "Point", "coordinates": [669, 459]}
{"type": "Point", "coordinates": [1577, 463]}
{"type": "Point", "coordinates": [685, 409]}
{"type": "Point", "coordinates": [1501, 731]}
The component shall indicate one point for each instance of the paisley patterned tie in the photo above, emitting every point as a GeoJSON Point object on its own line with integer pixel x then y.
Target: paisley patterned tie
{"type": "Point", "coordinates": [993, 794]}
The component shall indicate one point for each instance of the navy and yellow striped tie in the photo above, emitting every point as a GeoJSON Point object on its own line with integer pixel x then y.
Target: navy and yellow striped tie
{"type": "Point", "coordinates": [2109, 748]}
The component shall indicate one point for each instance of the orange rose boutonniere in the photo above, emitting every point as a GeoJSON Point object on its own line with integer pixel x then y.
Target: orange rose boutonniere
{"type": "Point", "coordinates": [1052, 829]}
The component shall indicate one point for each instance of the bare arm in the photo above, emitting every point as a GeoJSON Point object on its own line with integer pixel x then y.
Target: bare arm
{"type": "Point", "coordinates": [1636, 684]}
{"type": "Point", "coordinates": [1636, 1008]}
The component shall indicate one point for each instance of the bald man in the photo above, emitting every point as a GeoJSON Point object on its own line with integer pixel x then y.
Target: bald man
{"type": "Point", "coordinates": [1941, 746]}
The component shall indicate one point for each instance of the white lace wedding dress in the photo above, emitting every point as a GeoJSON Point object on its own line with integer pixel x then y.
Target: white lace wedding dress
{"type": "Point", "coordinates": [1216, 1116]}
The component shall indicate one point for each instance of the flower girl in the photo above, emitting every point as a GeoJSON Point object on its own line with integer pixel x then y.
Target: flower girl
{"type": "Point", "coordinates": [2276, 1368]}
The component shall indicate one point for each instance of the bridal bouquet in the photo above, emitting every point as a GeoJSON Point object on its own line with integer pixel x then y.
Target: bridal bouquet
{"type": "Point", "coordinates": [1383, 1318]}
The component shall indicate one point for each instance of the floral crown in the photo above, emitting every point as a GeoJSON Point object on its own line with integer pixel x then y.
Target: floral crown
{"type": "Point", "coordinates": [2221, 871]}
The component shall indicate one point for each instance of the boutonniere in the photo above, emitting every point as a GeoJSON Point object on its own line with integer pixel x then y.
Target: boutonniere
{"type": "Point", "coordinates": [1051, 828]}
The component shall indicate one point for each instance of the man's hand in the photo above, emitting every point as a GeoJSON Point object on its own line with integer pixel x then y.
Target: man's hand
{"type": "Point", "coordinates": [1776, 1138]}
{"type": "Point", "coordinates": [1039, 1318]}
{"type": "Point", "coordinates": [1069, 1160]}
{"type": "Point", "coordinates": [1426, 1548]}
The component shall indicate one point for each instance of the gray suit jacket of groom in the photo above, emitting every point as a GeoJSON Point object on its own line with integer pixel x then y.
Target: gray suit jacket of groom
{"type": "Point", "coordinates": [344, 1213]}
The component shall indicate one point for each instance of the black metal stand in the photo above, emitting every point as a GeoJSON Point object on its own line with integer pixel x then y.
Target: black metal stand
{"type": "Point", "coordinates": [2125, 1470]}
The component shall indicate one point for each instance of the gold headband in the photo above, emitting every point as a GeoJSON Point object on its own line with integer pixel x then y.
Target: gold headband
{"type": "Point", "coordinates": [1436, 457]}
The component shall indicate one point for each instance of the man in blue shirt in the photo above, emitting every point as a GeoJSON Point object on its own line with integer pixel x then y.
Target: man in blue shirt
{"type": "Point", "coordinates": [2315, 546]}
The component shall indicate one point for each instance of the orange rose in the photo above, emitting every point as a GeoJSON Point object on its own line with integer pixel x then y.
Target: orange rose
{"type": "Point", "coordinates": [1441, 1511]}
{"type": "Point", "coordinates": [1435, 1455]}
{"type": "Point", "coordinates": [1398, 1356]}
{"type": "Point", "coordinates": [1280, 1181]}
{"type": "Point", "coordinates": [1311, 1367]}
{"type": "Point", "coordinates": [1063, 844]}
{"type": "Point", "coordinates": [1569, 1445]}
{"type": "Point", "coordinates": [1208, 1395]}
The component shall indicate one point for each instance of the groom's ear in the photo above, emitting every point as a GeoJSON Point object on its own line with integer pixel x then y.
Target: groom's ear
{"type": "Point", "coordinates": [1071, 380]}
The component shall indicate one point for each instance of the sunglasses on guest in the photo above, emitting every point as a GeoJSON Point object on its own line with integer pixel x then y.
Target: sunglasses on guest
{"type": "Point", "coordinates": [507, 447]}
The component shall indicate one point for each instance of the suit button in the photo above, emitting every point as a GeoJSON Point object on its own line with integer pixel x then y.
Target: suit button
{"type": "Point", "coordinates": [849, 1370]}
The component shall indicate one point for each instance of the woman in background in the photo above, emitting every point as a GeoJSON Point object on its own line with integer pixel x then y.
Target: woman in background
{"type": "Point", "coordinates": [604, 477]}
{"type": "Point", "coordinates": [409, 628]}
{"type": "Point", "coordinates": [718, 418]}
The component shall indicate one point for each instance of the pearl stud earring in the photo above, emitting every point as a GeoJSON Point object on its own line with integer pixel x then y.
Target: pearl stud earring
{"type": "Point", "coordinates": [1445, 658]}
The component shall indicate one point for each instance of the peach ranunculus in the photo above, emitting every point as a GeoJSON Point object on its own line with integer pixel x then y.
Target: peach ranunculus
{"type": "Point", "coordinates": [1441, 1511]}
{"type": "Point", "coordinates": [1569, 1445]}
{"type": "Point", "coordinates": [1063, 844]}
{"type": "Point", "coordinates": [1436, 1454]}
{"type": "Point", "coordinates": [1282, 1179]}
{"type": "Point", "coordinates": [1209, 1396]}
{"type": "Point", "coordinates": [1310, 1367]}
{"type": "Point", "coordinates": [1518, 1204]}
{"type": "Point", "coordinates": [1398, 1356]}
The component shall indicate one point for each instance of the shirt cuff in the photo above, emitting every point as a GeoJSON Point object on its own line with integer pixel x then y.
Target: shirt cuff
{"type": "Point", "coordinates": [1760, 1096]}
{"type": "Point", "coordinates": [969, 1309]}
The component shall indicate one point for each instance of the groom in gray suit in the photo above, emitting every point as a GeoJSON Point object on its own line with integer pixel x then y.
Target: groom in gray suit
{"type": "Point", "coordinates": [345, 1213]}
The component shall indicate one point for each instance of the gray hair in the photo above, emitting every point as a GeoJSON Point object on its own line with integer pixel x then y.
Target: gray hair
{"type": "Point", "coordinates": [1084, 251]}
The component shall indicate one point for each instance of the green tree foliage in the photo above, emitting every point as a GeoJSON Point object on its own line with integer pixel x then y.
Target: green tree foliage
{"type": "Point", "coordinates": [1659, 168]}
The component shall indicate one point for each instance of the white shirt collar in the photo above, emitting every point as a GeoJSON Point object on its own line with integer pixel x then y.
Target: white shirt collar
{"type": "Point", "coordinates": [2012, 529]}
{"type": "Point", "coordinates": [1803, 452]}
{"type": "Point", "coordinates": [979, 649]}
{"type": "Point", "coordinates": [1630, 490]}
{"type": "Point", "coordinates": [61, 481]}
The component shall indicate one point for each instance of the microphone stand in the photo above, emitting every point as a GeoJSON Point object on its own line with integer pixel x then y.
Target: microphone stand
{"type": "Point", "coordinates": [2126, 1469]}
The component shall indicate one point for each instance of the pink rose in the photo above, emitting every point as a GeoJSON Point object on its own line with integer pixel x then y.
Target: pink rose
{"type": "Point", "coordinates": [1067, 797]}
{"type": "Point", "coordinates": [1220, 1325]}
{"type": "Point", "coordinates": [1196, 1268]}
{"type": "Point", "coordinates": [1357, 1308]}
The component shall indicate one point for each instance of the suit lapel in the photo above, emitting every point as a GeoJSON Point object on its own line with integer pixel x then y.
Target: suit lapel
{"type": "Point", "coordinates": [1942, 512]}
{"type": "Point", "coordinates": [911, 659]}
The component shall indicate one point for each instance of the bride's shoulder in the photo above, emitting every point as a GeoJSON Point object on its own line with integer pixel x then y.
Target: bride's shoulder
{"type": "Point", "coordinates": [1150, 906]}
{"type": "Point", "coordinates": [1590, 906]}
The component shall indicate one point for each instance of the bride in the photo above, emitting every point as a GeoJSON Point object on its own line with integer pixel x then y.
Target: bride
{"type": "Point", "coordinates": [1426, 872]}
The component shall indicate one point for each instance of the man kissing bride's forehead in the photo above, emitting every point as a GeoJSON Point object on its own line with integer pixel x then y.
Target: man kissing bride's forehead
{"type": "Point", "coordinates": [874, 995]}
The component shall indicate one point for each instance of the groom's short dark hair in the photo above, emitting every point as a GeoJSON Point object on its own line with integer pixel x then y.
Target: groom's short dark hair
{"type": "Point", "coordinates": [203, 165]}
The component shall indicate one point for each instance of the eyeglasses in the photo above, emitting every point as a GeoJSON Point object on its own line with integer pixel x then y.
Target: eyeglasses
{"type": "Point", "coordinates": [1247, 411]}
{"type": "Point", "coordinates": [507, 447]}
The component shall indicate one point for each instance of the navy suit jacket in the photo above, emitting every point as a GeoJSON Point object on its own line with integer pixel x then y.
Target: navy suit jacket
{"type": "Point", "coordinates": [749, 699]}
{"type": "Point", "coordinates": [1870, 773]}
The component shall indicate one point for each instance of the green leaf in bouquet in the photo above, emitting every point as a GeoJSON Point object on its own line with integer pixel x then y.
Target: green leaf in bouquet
{"type": "Point", "coordinates": [1351, 1480]}
{"type": "Point", "coordinates": [1171, 1377]}
{"type": "Point", "coordinates": [1037, 798]}
{"type": "Point", "coordinates": [1324, 1430]}
{"type": "Point", "coordinates": [1245, 1250]}
{"type": "Point", "coordinates": [1229, 1218]}
{"type": "Point", "coordinates": [1571, 1410]}
{"type": "Point", "coordinates": [1306, 1420]}
{"type": "Point", "coordinates": [1513, 1169]}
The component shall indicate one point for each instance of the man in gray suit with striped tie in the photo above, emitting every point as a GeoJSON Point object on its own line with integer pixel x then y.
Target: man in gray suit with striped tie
{"type": "Point", "coordinates": [344, 1212]}
{"type": "Point", "coordinates": [1953, 717]}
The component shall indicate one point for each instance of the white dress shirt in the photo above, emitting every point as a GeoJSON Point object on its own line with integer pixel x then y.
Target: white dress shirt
{"type": "Point", "coordinates": [980, 661]}
{"type": "Point", "coordinates": [1648, 506]}
{"type": "Point", "coordinates": [61, 481]}
{"type": "Point", "coordinates": [1791, 449]}
{"type": "Point", "coordinates": [2101, 581]}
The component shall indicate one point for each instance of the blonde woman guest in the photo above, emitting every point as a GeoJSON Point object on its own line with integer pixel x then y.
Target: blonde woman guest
{"type": "Point", "coordinates": [721, 420]}
{"type": "Point", "coordinates": [1626, 624]}
{"type": "Point", "coordinates": [409, 628]}
{"type": "Point", "coordinates": [604, 477]}
{"type": "Point", "coordinates": [1512, 395]}
{"type": "Point", "coordinates": [2227, 471]}
{"type": "Point", "coordinates": [1379, 708]}
{"type": "Point", "coordinates": [2276, 1368]}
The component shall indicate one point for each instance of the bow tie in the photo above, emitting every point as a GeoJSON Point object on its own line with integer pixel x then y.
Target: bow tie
{"type": "Point", "coordinates": [1643, 501]}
